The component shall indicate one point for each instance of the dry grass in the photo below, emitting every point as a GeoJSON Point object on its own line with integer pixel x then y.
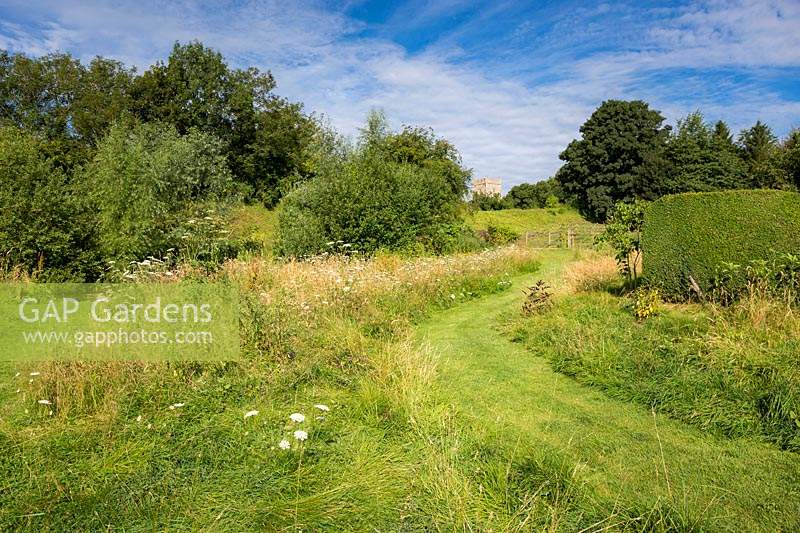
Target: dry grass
{"type": "Point", "coordinates": [594, 273]}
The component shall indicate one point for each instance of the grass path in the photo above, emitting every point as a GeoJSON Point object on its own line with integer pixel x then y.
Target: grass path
{"type": "Point", "coordinates": [623, 452]}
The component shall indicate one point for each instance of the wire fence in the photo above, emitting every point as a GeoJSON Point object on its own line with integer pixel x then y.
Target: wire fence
{"type": "Point", "coordinates": [578, 236]}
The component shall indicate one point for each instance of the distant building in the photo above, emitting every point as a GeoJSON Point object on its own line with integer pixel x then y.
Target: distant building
{"type": "Point", "coordinates": [487, 186]}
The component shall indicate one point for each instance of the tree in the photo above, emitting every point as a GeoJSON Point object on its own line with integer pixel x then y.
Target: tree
{"type": "Point", "coordinates": [761, 154]}
{"type": "Point", "coordinates": [701, 159]}
{"type": "Point", "coordinates": [45, 226]}
{"type": "Point", "coordinates": [618, 158]}
{"type": "Point", "coordinates": [533, 195]}
{"type": "Point", "coordinates": [148, 184]}
{"type": "Point", "coordinates": [623, 232]}
{"type": "Point", "coordinates": [790, 157]}
{"type": "Point", "coordinates": [263, 135]}
{"type": "Point", "coordinates": [380, 193]}
{"type": "Point", "coordinates": [488, 202]}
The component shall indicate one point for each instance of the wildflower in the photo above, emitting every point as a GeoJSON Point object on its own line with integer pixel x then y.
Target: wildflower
{"type": "Point", "coordinates": [35, 373]}
{"type": "Point", "coordinates": [284, 444]}
{"type": "Point", "coordinates": [45, 402]}
{"type": "Point", "coordinates": [139, 418]}
{"type": "Point", "coordinates": [16, 375]}
{"type": "Point", "coordinates": [297, 417]}
{"type": "Point", "coordinates": [322, 407]}
{"type": "Point", "coordinates": [452, 296]}
{"type": "Point", "coordinates": [176, 405]}
{"type": "Point", "coordinates": [300, 435]}
{"type": "Point", "coordinates": [248, 414]}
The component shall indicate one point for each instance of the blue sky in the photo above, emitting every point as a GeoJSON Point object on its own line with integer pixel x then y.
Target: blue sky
{"type": "Point", "coordinates": [508, 82]}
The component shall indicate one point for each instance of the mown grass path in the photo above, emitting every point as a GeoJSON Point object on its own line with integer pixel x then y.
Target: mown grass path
{"type": "Point", "coordinates": [623, 452]}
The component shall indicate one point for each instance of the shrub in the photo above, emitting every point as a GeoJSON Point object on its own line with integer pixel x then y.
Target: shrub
{"type": "Point", "coordinates": [777, 278]}
{"type": "Point", "coordinates": [500, 235]}
{"type": "Point", "coordinates": [366, 198]}
{"type": "Point", "coordinates": [45, 228]}
{"type": "Point", "coordinates": [688, 236]}
{"type": "Point", "coordinates": [149, 185]}
{"type": "Point", "coordinates": [623, 232]}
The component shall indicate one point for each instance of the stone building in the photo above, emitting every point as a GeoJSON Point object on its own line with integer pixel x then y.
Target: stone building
{"type": "Point", "coordinates": [487, 186]}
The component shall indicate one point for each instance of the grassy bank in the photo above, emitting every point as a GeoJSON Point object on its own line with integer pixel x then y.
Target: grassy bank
{"type": "Point", "coordinates": [522, 220]}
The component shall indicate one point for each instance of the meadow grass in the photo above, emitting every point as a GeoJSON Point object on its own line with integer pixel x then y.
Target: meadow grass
{"type": "Point", "coordinates": [436, 421]}
{"type": "Point", "coordinates": [167, 446]}
{"type": "Point", "coordinates": [522, 220]}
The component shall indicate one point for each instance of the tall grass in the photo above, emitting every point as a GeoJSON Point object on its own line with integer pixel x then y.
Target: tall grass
{"type": "Point", "coordinates": [166, 445]}
{"type": "Point", "coordinates": [730, 370]}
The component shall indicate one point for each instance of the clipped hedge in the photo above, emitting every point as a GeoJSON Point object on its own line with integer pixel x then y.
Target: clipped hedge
{"type": "Point", "coordinates": [692, 234]}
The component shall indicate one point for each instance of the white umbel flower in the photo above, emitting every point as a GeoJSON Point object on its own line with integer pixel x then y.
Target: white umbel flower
{"type": "Point", "coordinates": [322, 407]}
{"type": "Point", "coordinates": [45, 402]}
{"type": "Point", "coordinates": [284, 444]}
{"type": "Point", "coordinates": [300, 434]}
{"type": "Point", "coordinates": [248, 414]}
{"type": "Point", "coordinates": [297, 417]}
{"type": "Point", "coordinates": [176, 405]}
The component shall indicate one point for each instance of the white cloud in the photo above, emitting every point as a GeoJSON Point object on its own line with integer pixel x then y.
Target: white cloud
{"type": "Point", "coordinates": [508, 127]}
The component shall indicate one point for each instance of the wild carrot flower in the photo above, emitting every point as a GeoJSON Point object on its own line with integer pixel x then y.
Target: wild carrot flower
{"type": "Point", "coordinates": [297, 417]}
{"type": "Point", "coordinates": [176, 405]}
{"type": "Point", "coordinates": [248, 414]}
{"type": "Point", "coordinates": [300, 434]}
{"type": "Point", "coordinates": [284, 444]}
{"type": "Point", "coordinates": [322, 407]}
{"type": "Point", "coordinates": [45, 402]}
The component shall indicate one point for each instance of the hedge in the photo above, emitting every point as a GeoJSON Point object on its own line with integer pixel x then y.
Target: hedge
{"type": "Point", "coordinates": [692, 234]}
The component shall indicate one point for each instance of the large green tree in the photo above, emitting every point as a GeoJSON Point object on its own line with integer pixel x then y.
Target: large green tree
{"type": "Point", "coordinates": [263, 135]}
{"type": "Point", "coordinates": [762, 156]}
{"type": "Point", "coordinates": [618, 158]}
{"type": "Point", "coordinates": [533, 195]}
{"type": "Point", "coordinates": [702, 158]}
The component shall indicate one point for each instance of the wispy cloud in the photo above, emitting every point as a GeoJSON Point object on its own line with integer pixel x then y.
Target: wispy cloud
{"type": "Point", "coordinates": [509, 85]}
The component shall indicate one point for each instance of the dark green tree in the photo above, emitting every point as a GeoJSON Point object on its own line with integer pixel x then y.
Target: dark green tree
{"type": "Point", "coordinates": [263, 135]}
{"type": "Point", "coordinates": [762, 157]}
{"type": "Point", "coordinates": [790, 157]}
{"type": "Point", "coordinates": [618, 158]}
{"type": "Point", "coordinates": [534, 195]}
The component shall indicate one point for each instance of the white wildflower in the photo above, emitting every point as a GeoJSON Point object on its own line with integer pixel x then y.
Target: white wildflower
{"type": "Point", "coordinates": [139, 418]}
{"type": "Point", "coordinates": [300, 434]}
{"type": "Point", "coordinates": [248, 414]}
{"type": "Point", "coordinates": [35, 373]}
{"type": "Point", "coordinates": [45, 402]}
{"type": "Point", "coordinates": [284, 444]}
{"type": "Point", "coordinates": [322, 407]}
{"type": "Point", "coordinates": [176, 405]}
{"type": "Point", "coordinates": [297, 417]}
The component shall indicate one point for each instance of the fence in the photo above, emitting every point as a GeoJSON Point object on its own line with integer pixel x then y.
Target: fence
{"type": "Point", "coordinates": [580, 236]}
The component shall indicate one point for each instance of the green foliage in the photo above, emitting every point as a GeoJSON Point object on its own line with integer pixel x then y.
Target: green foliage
{"type": "Point", "coordinates": [720, 370]}
{"type": "Point", "coordinates": [500, 235]}
{"type": "Point", "coordinates": [534, 195]}
{"type": "Point", "coordinates": [488, 202]}
{"type": "Point", "coordinates": [45, 227]}
{"type": "Point", "coordinates": [701, 159]}
{"type": "Point", "coordinates": [688, 236]}
{"type": "Point", "coordinates": [778, 278]}
{"type": "Point", "coordinates": [762, 155]}
{"type": "Point", "coordinates": [618, 158]}
{"type": "Point", "coordinates": [366, 198]}
{"type": "Point", "coordinates": [538, 298]}
{"type": "Point", "coordinates": [150, 186]}
{"type": "Point", "coordinates": [263, 136]}
{"type": "Point", "coordinates": [623, 231]}
{"type": "Point", "coordinates": [522, 220]}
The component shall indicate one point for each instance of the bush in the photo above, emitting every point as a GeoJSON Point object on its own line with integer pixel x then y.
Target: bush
{"type": "Point", "coordinates": [500, 235]}
{"type": "Point", "coordinates": [150, 186]}
{"type": "Point", "coordinates": [369, 198]}
{"type": "Point", "coordinates": [45, 228]}
{"type": "Point", "coordinates": [689, 236]}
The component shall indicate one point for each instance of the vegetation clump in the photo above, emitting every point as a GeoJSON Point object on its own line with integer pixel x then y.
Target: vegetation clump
{"type": "Point", "coordinates": [687, 237]}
